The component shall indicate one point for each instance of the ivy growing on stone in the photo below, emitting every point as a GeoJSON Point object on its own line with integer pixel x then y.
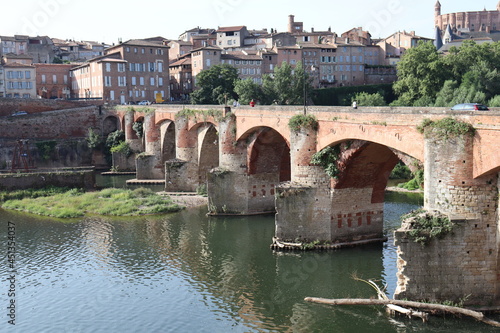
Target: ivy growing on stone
{"type": "Point", "coordinates": [303, 121]}
{"type": "Point", "coordinates": [204, 114]}
{"type": "Point", "coordinates": [445, 128]}
{"type": "Point", "coordinates": [425, 225]}
{"type": "Point", "coordinates": [327, 158]}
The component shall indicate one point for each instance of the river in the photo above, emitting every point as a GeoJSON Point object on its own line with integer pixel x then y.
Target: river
{"type": "Point", "coordinates": [186, 272]}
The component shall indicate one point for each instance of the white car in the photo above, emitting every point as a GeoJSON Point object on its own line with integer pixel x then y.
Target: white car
{"type": "Point", "coordinates": [144, 103]}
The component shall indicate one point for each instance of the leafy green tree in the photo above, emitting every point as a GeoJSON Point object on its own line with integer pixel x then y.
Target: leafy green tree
{"type": "Point", "coordinates": [420, 73]}
{"type": "Point", "coordinates": [495, 101]}
{"type": "Point", "coordinates": [286, 86]}
{"type": "Point", "coordinates": [366, 99]}
{"type": "Point", "coordinates": [445, 95]}
{"type": "Point", "coordinates": [248, 90]}
{"type": "Point", "coordinates": [215, 85]}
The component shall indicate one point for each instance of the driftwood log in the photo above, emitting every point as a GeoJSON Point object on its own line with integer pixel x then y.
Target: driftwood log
{"type": "Point", "coordinates": [407, 304]}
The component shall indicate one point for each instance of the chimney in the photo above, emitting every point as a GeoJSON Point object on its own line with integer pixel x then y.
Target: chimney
{"type": "Point", "coordinates": [412, 33]}
{"type": "Point", "coordinates": [312, 29]}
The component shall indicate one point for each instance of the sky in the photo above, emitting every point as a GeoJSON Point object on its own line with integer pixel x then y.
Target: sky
{"type": "Point", "coordinates": [111, 21]}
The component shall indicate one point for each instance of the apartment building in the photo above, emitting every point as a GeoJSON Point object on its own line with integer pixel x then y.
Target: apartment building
{"type": "Point", "coordinates": [2, 82]}
{"type": "Point", "coordinates": [204, 58]}
{"type": "Point", "coordinates": [19, 76]}
{"type": "Point", "coordinates": [128, 72]}
{"type": "Point", "coordinates": [71, 50]}
{"type": "Point", "coordinates": [53, 80]}
{"type": "Point", "coordinates": [396, 44]}
{"type": "Point", "coordinates": [17, 44]}
{"type": "Point", "coordinates": [181, 81]}
{"type": "Point", "coordinates": [178, 49]}
{"type": "Point", "coordinates": [248, 64]}
{"type": "Point", "coordinates": [231, 38]}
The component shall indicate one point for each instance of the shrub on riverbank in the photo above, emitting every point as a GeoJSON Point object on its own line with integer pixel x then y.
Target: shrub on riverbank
{"type": "Point", "coordinates": [111, 202]}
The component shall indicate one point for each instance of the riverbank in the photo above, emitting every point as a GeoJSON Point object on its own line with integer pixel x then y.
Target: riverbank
{"type": "Point", "coordinates": [63, 203]}
{"type": "Point", "coordinates": [401, 189]}
{"type": "Point", "coordinates": [188, 200]}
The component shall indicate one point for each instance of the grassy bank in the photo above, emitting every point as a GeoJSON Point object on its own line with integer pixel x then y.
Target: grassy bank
{"type": "Point", "coordinates": [68, 203]}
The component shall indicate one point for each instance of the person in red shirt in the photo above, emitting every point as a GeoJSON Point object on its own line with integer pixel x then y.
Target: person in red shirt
{"type": "Point", "coordinates": [252, 103]}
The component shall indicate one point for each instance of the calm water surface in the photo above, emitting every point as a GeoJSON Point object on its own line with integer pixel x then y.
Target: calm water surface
{"type": "Point", "coordinates": [186, 272]}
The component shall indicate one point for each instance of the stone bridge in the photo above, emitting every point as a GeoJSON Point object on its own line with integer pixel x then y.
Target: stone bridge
{"type": "Point", "coordinates": [253, 162]}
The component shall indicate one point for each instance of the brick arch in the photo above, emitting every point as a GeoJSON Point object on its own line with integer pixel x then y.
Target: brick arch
{"type": "Point", "coordinates": [405, 139]}
{"type": "Point", "coordinates": [208, 151]}
{"type": "Point", "coordinates": [167, 134]}
{"type": "Point", "coordinates": [365, 164]}
{"type": "Point", "coordinates": [269, 152]}
{"type": "Point", "coordinates": [111, 124]}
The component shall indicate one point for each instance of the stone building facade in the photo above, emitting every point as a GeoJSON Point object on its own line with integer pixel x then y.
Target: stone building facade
{"type": "Point", "coordinates": [132, 71]}
{"type": "Point", "coordinates": [485, 20]}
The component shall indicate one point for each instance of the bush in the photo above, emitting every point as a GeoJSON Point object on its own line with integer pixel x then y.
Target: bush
{"type": "Point", "coordinates": [400, 171]}
{"type": "Point", "coordinates": [366, 99]}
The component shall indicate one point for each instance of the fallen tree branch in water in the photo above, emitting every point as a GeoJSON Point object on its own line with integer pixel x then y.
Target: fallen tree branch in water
{"type": "Point", "coordinates": [410, 304]}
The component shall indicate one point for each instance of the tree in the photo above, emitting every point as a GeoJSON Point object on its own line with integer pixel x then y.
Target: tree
{"type": "Point", "coordinates": [445, 95]}
{"type": "Point", "coordinates": [248, 90]}
{"type": "Point", "coordinates": [366, 99]}
{"type": "Point", "coordinates": [215, 85]}
{"type": "Point", "coordinates": [420, 73]}
{"type": "Point", "coordinates": [286, 86]}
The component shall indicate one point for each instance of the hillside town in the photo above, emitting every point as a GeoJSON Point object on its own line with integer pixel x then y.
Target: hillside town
{"type": "Point", "coordinates": [160, 69]}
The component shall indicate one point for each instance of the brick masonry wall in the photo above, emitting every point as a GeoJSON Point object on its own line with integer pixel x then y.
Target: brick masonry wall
{"type": "Point", "coordinates": [75, 179]}
{"type": "Point", "coordinates": [464, 262]}
{"type": "Point", "coordinates": [353, 215]}
{"type": "Point", "coordinates": [10, 105]}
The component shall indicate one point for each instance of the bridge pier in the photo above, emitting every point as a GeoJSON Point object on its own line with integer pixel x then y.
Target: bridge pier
{"type": "Point", "coordinates": [313, 207]}
{"type": "Point", "coordinates": [148, 164]}
{"type": "Point", "coordinates": [464, 263]}
{"type": "Point", "coordinates": [232, 189]}
{"type": "Point", "coordinates": [181, 174]}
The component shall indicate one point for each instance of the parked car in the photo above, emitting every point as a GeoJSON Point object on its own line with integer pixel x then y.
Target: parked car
{"type": "Point", "coordinates": [19, 113]}
{"type": "Point", "coordinates": [470, 107]}
{"type": "Point", "coordinates": [144, 103]}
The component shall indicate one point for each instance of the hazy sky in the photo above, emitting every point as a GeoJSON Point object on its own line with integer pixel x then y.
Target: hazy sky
{"type": "Point", "coordinates": [107, 21]}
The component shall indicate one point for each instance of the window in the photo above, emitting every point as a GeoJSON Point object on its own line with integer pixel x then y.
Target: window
{"type": "Point", "coordinates": [121, 67]}
{"type": "Point", "coordinates": [160, 67]}
{"type": "Point", "coordinates": [143, 50]}
{"type": "Point", "coordinates": [152, 81]}
{"type": "Point", "coordinates": [141, 81]}
{"type": "Point", "coordinates": [44, 78]}
{"type": "Point", "coordinates": [134, 80]}
{"type": "Point", "coordinates": [54, 79]}
{"type": "Point", "coordinates": [107, 81]}
{"type": "Point", "coordinates": [127, 49]}
{"type": "Point", "coordinates": [160, 81]}
{"type": "Point", "coordinates": [122, 81]}
{"type": "Point", "coordinates": [65, 79]}
{"type": "Point", "coordinates": [135, 49]}
{"type": "Point", "coordinates": [27, 74]}
{"type": "Point", "coordinates": [108, 67]}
